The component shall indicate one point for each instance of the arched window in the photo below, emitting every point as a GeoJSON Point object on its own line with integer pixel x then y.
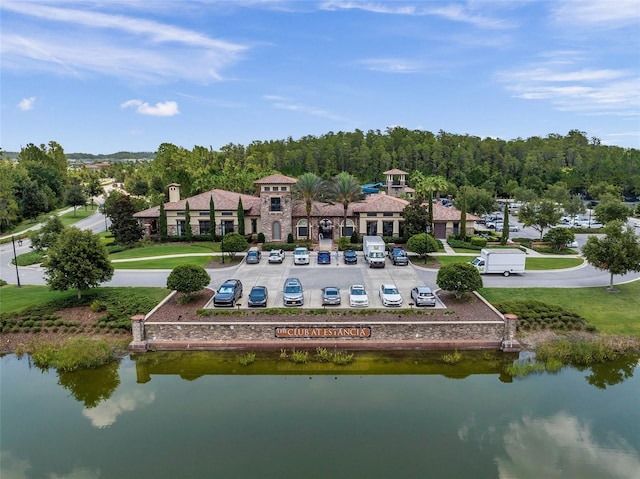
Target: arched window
{"type": "Point", "coordinates": [302, 229]}
{"type": "Point", "coordinates": [347, 228]}
{"type": "Point", "coordinates": [277, 235]}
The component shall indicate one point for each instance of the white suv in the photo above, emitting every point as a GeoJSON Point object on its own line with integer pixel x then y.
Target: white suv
{"type": "Point", "coordinates": [276, 256]}
{"type": "Point", "coordinates": [301, 256]}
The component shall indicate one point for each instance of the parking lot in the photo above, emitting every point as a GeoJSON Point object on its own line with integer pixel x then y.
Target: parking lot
{"type": "Point", "coordinates": [314, 277]}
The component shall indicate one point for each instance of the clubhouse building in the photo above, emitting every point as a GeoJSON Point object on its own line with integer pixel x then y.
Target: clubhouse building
{"type": "Point", "coordinates": [274, 212]}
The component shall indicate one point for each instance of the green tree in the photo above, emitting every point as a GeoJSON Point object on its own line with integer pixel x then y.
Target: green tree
{"type": "Point", "coordinates": [610, 209]}
{"type": "Point", "coordinates": [162, 223]}
{"type": "Point", "coordinates": [75, 196]}
{"type": "Point", "coordinates": [422, 244]}
{"type": "Point", "coordinates": [574, 206]}
{"type": "Point", "coordinates": [34, 201]}
{"type": "Point", "coordinates": [188, 279]}
{"type": "Point", "coordinates": [308, 188]}
{"type": "Point", "coordinates": [459, 278]}
{"type": "Point", "coordinates": [212, 219]}
{"type": "Point", "coordinates": [462, 230]}
{"type": "Point", "coordinates": [344, 189]}
{"type": "Point", "coordinates": [233, 243]}
{"type": "Point", "coordinates": [617, 252]}
{"type": "Point", "coordinates": [47, 235]}
{"type": "Point", "coordinates": [559, 237]}
{"type": "Point", "coordinates": [187, 221]}
{"type": "Point", "coordinates": [602, 189]}
{"type": "Point", "coordinates": [77, 260]}
{"type": "Point", "coordinates": [415, 218]}
{"type": "Point", "coordinates": [93, 187]}
{"type": "Point", "coordinates": [425, 188]}
{"type": "Point", "coordinates": [505, 225]}
{"type": "Point", "coordinates": [540, 214]}
{"type": "Point", "coordinates": [478, 201]}
{"type": "Point", "coordinates": [124, 226]}
{"type": "Point", "coordinates": [240, 217]}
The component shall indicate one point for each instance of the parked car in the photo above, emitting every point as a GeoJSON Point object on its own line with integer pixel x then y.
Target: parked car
{"type": "Point", "coordinates": [389, 295]}
{"type": "Point", "coordinates": [324, 257]}
{"type": "Point", "coordinates": [258, 296]}
{"type": "Point", "coordinates": [276, 256]}
{"type": "Point", "coordinates": [358, 296]}
{"type": "Point", "coordinates": [228, 293]}
{"type": "Point", "coordinates": [301, 255]}
{"type": "Point", "coordinates": [512, 227]}
{"type": "Point", "coordinates": [331, 296]}
{"type": "Point", "coordinates": [292, 292]}
{"type": "Point", "coordinates": [423, 296]}
{"type": "Point", "coordinates": [253, 256]}
{"type": "Point", "coordinates": [399, 256]}
{"type": "Point", "coordinates": [350, 257]}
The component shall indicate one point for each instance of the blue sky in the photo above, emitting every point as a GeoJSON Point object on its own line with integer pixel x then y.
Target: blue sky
{"type": "Point", "coordinates": [105, 76]}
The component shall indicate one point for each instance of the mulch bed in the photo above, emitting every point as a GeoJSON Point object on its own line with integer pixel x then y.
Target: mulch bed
{"type": "Point", "coordinates": [469, 307]}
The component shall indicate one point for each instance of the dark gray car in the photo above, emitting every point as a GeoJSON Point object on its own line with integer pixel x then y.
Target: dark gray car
{"type": "Point", "coordinates": [228, 293]}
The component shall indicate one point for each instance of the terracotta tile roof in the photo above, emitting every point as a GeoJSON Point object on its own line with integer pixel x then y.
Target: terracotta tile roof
{"type": "Point", "coordinates": [395, 171]}
{"type": "Point", "coordinates": [276, 179]}
{"type": "Point", "coordinates": [444, 213]}
{"type": "Point", "coordinates": [379, 203]}
{"type": "Point", "coordinates": [222, 199]}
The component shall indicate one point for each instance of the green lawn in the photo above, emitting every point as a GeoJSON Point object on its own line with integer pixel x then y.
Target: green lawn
{"type": "Point", "coordinates": [165, 263]}
{"type": "Point", "coordinates": [15, 300]}
{"type": "Point", "coordinates": [610, 313]}
{"type": "Point", "coordinates": [80, 214]}
{"type": "Point", "coordinates": [533, 264]}
{"type": "Point", "coordinates": [165, 250]}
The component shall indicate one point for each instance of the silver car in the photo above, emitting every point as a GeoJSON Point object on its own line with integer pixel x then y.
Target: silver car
{"type": "Point", "coordinates": [330, 296]}
{"type": "Point", "coordinates": [292, 292]}
{"type": "Point", "coordinates": [423, 296]}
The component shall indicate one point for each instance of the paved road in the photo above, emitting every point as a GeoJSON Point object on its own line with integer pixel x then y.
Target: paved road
{"type": "Point", "coordinates": [316, 276]}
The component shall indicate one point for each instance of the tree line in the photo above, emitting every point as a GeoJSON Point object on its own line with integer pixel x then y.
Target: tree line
{"type": "Point", "coordinates": [523, 168]}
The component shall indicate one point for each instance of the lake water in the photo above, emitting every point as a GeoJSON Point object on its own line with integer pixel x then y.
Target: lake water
{"type": "Point", "coordinates": [202, 415]}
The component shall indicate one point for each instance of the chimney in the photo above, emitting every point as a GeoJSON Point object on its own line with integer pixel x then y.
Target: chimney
{"type": "Point", "coordinates": [174, 192]}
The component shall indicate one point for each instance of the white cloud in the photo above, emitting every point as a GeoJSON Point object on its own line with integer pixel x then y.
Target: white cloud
{"type": "Point", "coordinates": [282, 103]}
{"type": "Point", "coordinates": [453, 12]}
{"type": "Point", "coordinates": [569, 449]}
{"type": "Point", "coordinates": [166, 108]}
{"type": "Point", "coordinates": [106, 413]}
{"type": "Point", "coordinates": [78, 42]}
{"type": "Point", "coordinates": [569, 87]}
{"type": "Point", "coordinates": [597, 13]}
{"type": "Point", "coordinates": [391, 65]}
{"type": "Point", "coordinates": [27, 104]}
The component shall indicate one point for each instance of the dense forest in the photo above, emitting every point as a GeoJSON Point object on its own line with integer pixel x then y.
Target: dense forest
{"type": "Point", "coordinates": [496, 165]}
{"type": "Point", "coordinates": [39, 181]}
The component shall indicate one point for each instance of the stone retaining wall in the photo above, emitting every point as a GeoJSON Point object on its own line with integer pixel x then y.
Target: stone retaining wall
{"type": "Point", "coordinates": [382, 335]}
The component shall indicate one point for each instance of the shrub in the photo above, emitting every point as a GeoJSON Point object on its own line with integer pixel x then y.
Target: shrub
{"type": "Point", "coordinates": [188, 278]}
{"type": "Point", "coordinates": [452, 358]}
{"type": "Point", "coordinates": [260, 238]}
{"type": "Point", "coordinates": [342, 357]}
{"type": "Point", "coordinates": [247, 359]}
{"type": "Point", "coordinates": [355, 237]}
{"type": "Point", "coordinates": [97, 306]}
{"type": "Point", "coordinates": [74, 354]}
{"type": "Point", "coordinates": [478, 241]}
{"type": "Point", "coordinates": [459, 278]}
{"type": "Point", "coordinates": [299, 357]}
{"type": "Point", "coordinates": [290, 238]}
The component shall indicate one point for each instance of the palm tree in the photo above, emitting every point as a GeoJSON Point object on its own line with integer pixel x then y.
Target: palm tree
{"type": "Point", "coordinates": [345, 189]}
{"type": "Point", "coordinates": [425, 187]}
{"type": "Point", "coordinates": [309, 188]}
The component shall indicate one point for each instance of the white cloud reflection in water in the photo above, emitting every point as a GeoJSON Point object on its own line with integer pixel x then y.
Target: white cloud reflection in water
{"type": "Point", "coordinates": [106, 413]}
{"type": "Point", "coordinates": [561, 447]}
